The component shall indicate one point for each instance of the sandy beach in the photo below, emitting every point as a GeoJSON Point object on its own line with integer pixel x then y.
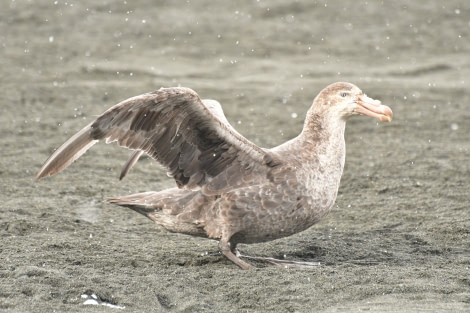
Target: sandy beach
{"type": "Point", "coordinates": [398, 238]}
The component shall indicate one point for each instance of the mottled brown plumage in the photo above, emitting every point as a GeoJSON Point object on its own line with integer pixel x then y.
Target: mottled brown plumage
{"type": "Point", "coordinates": [227, 187]}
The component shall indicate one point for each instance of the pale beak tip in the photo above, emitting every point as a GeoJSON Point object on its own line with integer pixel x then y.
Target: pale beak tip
{"type": "Point", "coordinates": [388, 114]}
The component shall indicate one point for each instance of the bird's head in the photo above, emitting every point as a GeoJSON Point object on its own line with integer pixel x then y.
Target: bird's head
{"type": "Point", "coordinates": [344, 100]}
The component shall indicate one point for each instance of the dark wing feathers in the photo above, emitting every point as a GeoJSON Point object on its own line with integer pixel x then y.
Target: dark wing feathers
{"type": "Point", "coordinates": [174, 127]}
{"type": "Point", "coordinates": [134, 157]}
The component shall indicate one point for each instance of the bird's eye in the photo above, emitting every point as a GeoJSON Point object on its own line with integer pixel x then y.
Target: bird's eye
{"type": "Point", "coordinates": [343, 94]}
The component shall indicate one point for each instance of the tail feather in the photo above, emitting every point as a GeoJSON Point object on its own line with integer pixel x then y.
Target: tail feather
{"type": "Point", "coordinates": [143, 203]}
{"type": "Point", "coordinates": [177, 210]}
{"type": "Point", "coordinates": [71, 150]}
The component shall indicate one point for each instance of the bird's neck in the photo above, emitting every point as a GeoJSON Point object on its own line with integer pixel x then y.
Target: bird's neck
{"type": "Point", "coordinates": [320, 147]}
{"type": "Point", "coordinates": [324, 155]}
{"type": "Point", "coordinates": [324, 138]}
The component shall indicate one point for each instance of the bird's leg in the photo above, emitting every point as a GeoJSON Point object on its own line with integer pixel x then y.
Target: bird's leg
{"type": "Point", "coordinates": [225, 249]}
{"type": "Point", "coordinates": [231, 252]}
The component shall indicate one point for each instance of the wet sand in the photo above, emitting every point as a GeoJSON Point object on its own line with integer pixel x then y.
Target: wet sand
{"type": "Point", "coordinates": [398, 237]}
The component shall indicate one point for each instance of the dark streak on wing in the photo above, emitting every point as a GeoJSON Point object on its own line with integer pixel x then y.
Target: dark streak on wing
{"type": "Point", "coordinates": [133, 158]}
{"type": "Point", "coordinates": [174, 127]}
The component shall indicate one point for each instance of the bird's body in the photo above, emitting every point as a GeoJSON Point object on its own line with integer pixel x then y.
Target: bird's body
{"type": "Point", "coordinates": [228, 188]}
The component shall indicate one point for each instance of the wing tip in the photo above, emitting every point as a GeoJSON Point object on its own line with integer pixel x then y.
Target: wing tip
{"type": "Point", "coordinates": [39, 176]}
{"type": "Point", "coordinates": [66, 154]}
{"type": "Point", "coordinates": [45, 171]}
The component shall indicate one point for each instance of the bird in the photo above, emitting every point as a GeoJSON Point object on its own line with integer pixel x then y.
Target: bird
{"type": "Point", "coordinates": [227, 188]}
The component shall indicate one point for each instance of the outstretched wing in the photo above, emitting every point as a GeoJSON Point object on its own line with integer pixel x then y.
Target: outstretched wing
{"type": "Point", "coordinates": [174, 127]}
{"type": "Point", "coordinates": [213, 106]}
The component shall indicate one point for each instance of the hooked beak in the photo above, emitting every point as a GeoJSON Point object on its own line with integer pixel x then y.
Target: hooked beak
{"type": "Point", "coordinates": [373, 108]}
